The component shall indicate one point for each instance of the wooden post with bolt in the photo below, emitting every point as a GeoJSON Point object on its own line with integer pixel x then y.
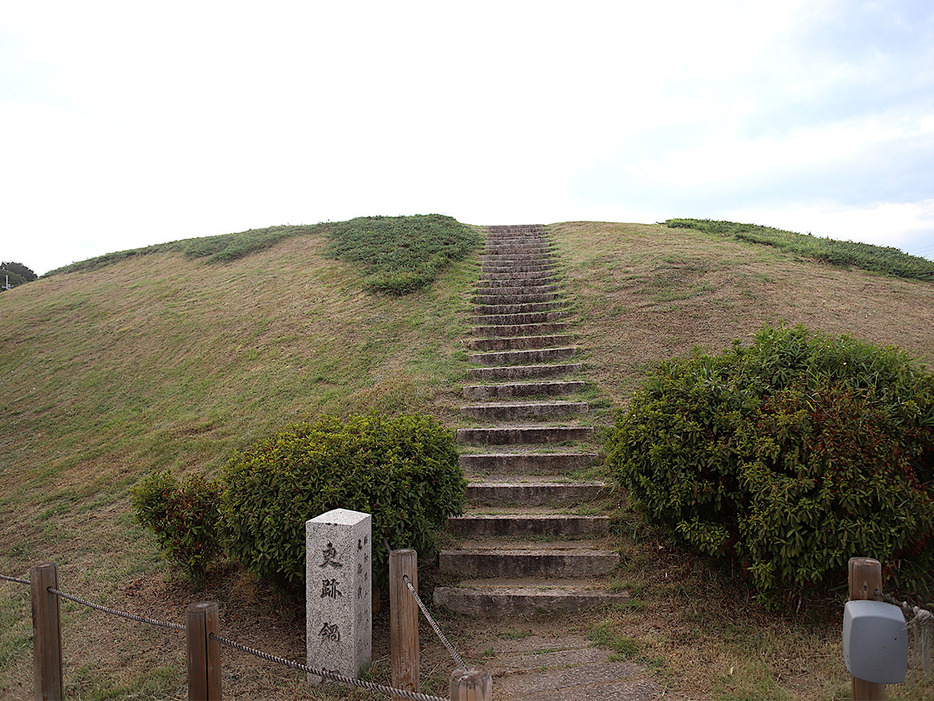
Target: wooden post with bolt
{"type": "Point", "coordinates": [403, 617]}
{"type": "Point", "coordinates": [865, 575]}
{"type": "Point", "coordinates": [471, 685]}
{"type": "Point", "coordinates": [204, 658]}
{"type": "Point", "coordinates": [46, 634]}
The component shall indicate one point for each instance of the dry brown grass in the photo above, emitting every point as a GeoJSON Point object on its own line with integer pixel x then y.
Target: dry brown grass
{"type": "Point", "coordinates": [646, 292]}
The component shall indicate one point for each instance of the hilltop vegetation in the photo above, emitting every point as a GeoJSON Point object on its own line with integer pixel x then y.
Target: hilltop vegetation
{"type": "Point", "coordinates": [214, 249]}
{"type": "Point", "coordinates": [881, 259]}
{"type": "Point", "coordinates": [399, 254]}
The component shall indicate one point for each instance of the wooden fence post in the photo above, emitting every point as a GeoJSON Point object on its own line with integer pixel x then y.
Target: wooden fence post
{"type": "Point", "coordinates": [403, 617]}
{"type": "Point", "coordinates": [471, 685]}
{"type": "Point", "coordinates": [204, 663]}
{"type": "Point", "coordinates": [865, 575]}
{"type": "Point", "coordinates": [46, 634]}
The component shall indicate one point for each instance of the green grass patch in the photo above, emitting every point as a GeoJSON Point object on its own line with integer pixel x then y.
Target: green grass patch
{"type": "Point", "coordinates": [845, 254]}
{"type": "Point", "coordinates": [401, 254]}
{"type": "Point", "coordinates": [607, 636]}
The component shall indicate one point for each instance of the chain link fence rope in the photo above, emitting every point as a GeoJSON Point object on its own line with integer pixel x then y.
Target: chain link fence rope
{"type": "Point", "coordinates": [333, 676]}
{"type": "Point", "coordinates": [434, 626]}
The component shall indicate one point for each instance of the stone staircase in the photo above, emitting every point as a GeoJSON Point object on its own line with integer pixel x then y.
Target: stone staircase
{"type": "Point", "coordinates": [529, 541]}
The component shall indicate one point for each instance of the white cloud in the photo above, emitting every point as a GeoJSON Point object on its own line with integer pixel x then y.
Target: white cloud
{"type": "Point", "coordinates": [133, 124]}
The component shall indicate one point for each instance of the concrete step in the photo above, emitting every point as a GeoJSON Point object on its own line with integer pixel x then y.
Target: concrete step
{"type": "Point", "coordinates": [519, 372]}
{"type": "Point", "coordinates": [522, 308]}
{"type": "Point", "coordinates": [520, 342]}
{"type": "Point", "coordinates": [514, 435]}
{"type": "Point", "coordinates": [522, 357]}
{"type": "Point", "coordinates": [502, 598]}
{"type": "Point", "coordinates": [518, 255]}
{"type": "Point", "coordinates": [522, 389]}
{"type": "Point", "coordinates": [520, 252]}
{"type": "Point", "coordinates": [520, 298]}
{"type": "Point", "coordinates": [507, 286]}
{"type": "Point", "coordinates": [525, 411]}
{"type": "Point", "coordinates": [519, 329]}
{"type": "Point", "coordinates": [535, 493]}
{"type": "Point", "coordinates": [519, 319]}
{"type": "Point", "coordinates": [512, 269]}
{"type": "Point", "coordinates": [517, 279]}
{"type": "Point", "coordinates": [528, 562]}
{"type": "Point", "coordinates": [527, 463]}
{"type": "Point", "coordinates": [517, 525]}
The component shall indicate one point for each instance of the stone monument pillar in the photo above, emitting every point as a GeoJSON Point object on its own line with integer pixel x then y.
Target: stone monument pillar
{"type": "Point", "coordinates": [338, 592]}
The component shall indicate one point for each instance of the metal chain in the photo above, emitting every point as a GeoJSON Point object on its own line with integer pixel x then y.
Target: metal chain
{"type": "Point", "coordinates": [15, 579]}
{"type": "Point", "coordinates": [333, 676]}
{"type": "Point", "coordinates": [132, 617]}
{"type": "Point", "coordinates": [431, 621]}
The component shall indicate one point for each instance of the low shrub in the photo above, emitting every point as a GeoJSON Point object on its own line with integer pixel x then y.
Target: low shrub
{"type": "Point", "coordinates": [185, 518]}
{"type": "Point", "coordinates": [401, 254]}
{"type": "Point", "coordinates": [403, 471]}
{"type": "Point", "coordinates": [788, 456]}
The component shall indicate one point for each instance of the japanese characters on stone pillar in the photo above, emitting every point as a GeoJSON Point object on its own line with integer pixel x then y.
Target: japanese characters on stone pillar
{"type": "Point", "coordinates": [338, 592]}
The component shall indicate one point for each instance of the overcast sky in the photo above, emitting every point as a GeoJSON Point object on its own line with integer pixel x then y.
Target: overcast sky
{"type": "Point", "coordinates": [128, 123]}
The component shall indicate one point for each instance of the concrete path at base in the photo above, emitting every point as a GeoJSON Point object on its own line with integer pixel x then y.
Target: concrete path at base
{"type": "Point", "coordinates": [565, 669]}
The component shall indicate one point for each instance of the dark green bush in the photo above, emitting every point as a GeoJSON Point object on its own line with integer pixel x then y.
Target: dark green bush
{"type": "Point", "coordinates": [401, 254]}
{"type": "Point", "coordinates": [789, 457]}
{"type": "Point", "coordinates": [185, 518]}
{"type": "Point", "coordinates": [403, 471]}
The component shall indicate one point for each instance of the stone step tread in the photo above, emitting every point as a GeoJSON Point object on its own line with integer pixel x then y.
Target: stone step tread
{"type": "Point", "coordinates": [522, 389]}
{"type": "Point", "coordinates": [524, 351]}
{"type": "Point", "coordinates": [542, 386]}
{"type": "Point", "coordinates": [515, 372]}
{"type": "Point", "coordinates": [522, 357]}
{"type": "Point", "coordinates": [535, 583]}
{"type": "Point", "coordinates": [535, 403]}
{"type": "Point", "coordinates": [526, 288]}
{"type": "Point", "coordinates": [529, 433]}
{"type": "Point", "coordinates": [519, 308]}
{"type": "Point", "coordinates": [499, 547]}
{"type": "Point", "coordinates": [511, 330]}
{"type": "Point", "coordinates": [544, 512]}
{"type": "Point", "coordinates": [503, 603]}
{"type": "Point", "coordinates": [490, 499]}
{"type": "Point", "coordinates": [539, 526]}
{"type": "Point", "coordinates": [527, 298]}
{"type": "Point", "coordinates": [507, 343]}
{"type": "Point", "coordinates": [519, 481]}
{"type": "Point", "coordinates": [530, 562]}
{"type": "Point", "coordinates": [524, 411]}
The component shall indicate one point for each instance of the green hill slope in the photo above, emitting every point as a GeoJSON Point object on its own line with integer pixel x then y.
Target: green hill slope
{"type": "Point", "coordinates": [162, 361]}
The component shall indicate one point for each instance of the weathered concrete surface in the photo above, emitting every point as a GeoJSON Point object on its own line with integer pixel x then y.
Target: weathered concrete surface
{"type": "Point", "coordinates": [524, 434]}
{"type": "Point", "coordinates": [527, 463]}
{"type": "Point", "coordinates": [534, 493]}
{"type": "Point", "coordinates": [554, 525]}
{"type": "Point", "coordinates": [523, 389]}
{"type": "Point", "coordinates": [525, 411]}
{"type": "Point", "coordinates": [527, 563]}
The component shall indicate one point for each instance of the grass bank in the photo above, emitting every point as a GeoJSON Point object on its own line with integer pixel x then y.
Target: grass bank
{"type": "Point", "coordinates": [163, 361]}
